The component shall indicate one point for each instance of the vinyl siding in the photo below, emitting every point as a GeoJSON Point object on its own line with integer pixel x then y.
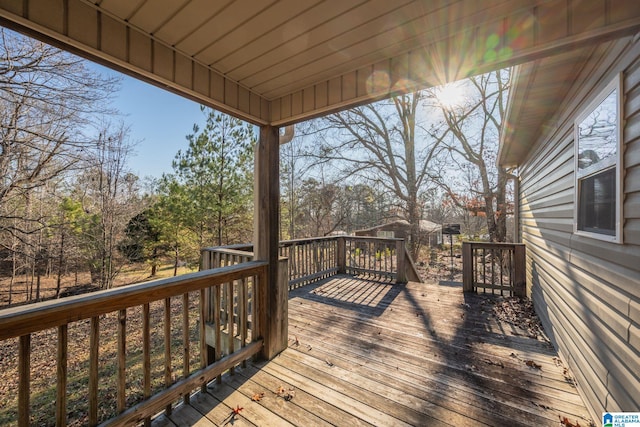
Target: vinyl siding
{"type": "Point", "coordinates": [587, 291]}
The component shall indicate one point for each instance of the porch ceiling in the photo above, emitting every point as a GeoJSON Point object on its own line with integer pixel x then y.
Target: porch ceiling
{"type": "Point", "coordinates": [537, 91]}
{"type": "Point", "coordinates": [279, 62]}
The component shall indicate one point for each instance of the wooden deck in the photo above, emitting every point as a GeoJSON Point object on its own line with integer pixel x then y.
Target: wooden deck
{"type": "Point", "coordinates": [372, 353]}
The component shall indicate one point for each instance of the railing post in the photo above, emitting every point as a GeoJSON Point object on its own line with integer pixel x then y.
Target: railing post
{"type": "Point", "coordinates": [282, 316]}
{"type": "Point", "coordinates": [467, 267]}
{"type": "Point", "coordinates": [401, 274]}
{"type": "Point", "coordinates": [265, 227]}
{"type": "Point", "coordinates": [341, 255]}
{"type": "Point", "coordinates": [520, 268]}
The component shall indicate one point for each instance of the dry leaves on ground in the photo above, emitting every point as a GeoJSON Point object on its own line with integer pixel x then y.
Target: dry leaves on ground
{"type": "Point", "coordinates": [519, 313]}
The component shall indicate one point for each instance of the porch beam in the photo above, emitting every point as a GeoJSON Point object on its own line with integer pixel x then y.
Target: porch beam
{"type": "Point", "coordinates": [83, 28]}
{"type": "Point", "coordinates": [500, 34]}
{"type": "Point", "coordinates": [265, 241]}
{"type": "Point", "coordinates": [540, 30]}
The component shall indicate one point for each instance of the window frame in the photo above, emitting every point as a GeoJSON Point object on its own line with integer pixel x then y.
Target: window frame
{"type": "Point", "coordinates": [614, 85]}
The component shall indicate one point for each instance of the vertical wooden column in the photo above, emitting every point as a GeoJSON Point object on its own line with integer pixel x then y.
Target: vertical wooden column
{"type": "Point", "coordinates": [341, 255]}
{"type": "Point", "coordinates": [401, 262]}
{"type": "Point", "coordinates": [265, 241]}
{"type": "Point", "coordinates": [467, 267]}
{"type": "Point", "coordinates": [520, 271]}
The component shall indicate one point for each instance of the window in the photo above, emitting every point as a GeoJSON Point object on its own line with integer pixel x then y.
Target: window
{"type": "Point", "coordinates": [598, 154]}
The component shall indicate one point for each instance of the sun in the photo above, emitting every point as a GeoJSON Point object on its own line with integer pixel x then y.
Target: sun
{"type": "Point", "coordinates": [451, 95]}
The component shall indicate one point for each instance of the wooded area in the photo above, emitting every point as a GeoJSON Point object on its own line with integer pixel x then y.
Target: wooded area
{"type": "Point", "coordinates": [72, 211]}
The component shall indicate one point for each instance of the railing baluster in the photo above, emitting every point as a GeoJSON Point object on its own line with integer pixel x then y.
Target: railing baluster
{"type": "Point", "coordinates": [500, 271]}
{"type": "Point", "coordinates": [242, 315]}
{"type": "Point", "coordinates": [122, 360]}
{"type": "Point", "coordinates": [204, 354]}
{"type": "Point", "coordinates": [230, 320]}
{"type": "Point", "coordinates": [217, 306]}
{"type": "Point", "coordinates": [511, 272]}
{"type": "Point", "coordinates": [185, 342]}
{"type": "Point", "coordinates": [146, 355]}
{"type": "Point", "coordinates": [61, 387]}
{"type": "Point", "coordinates": [24, 383]}
{"type": "Point", "coordinates": [167, 348]}
{"type": "Point", "coordinates": [492, 257]}
{"type": "Point", "coordinates": [94, 347]}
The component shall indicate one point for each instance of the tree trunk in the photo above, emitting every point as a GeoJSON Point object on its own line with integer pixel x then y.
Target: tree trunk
{"type": "Point", "coordinates": [38, 287]}
{"type": "Point", "coordinates": [154, 262]}
{"type": "Point", "coordinates": [175, 263]}
{"type": "Point", "coordinates": [414, 242]}
{"type": "Point", "coordinates": [60, 265]}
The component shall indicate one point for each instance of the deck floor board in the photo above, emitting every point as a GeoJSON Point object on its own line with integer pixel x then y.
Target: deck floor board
{"type": "Point", "coordinates": [364, 352]}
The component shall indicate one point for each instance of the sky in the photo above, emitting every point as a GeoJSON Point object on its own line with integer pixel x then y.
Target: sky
{"type": "Point", "coordinates": [158, 120]}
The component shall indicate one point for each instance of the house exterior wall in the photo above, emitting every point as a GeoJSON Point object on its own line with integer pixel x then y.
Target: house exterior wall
{"type": "Point", "coordinates": [587, 291]}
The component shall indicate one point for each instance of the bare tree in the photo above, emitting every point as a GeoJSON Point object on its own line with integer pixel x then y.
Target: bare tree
{"type": "Point", "coordinates": [378, 143]}
{"type": "Point", "coordinates": [109, 197]}
{"type": "Point", "coordinates": [465, 147]}
{"type": "Point", "coordinates": [294, 166]}
{"type": "Point", "coordinates": [47, 98]}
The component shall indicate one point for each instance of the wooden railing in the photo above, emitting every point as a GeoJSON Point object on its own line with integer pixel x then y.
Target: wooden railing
{"type": "Point", "coordinates": [164, 321]}
{"type": "Point", "coordinates": [378, 258]}
{"type": "Point", "coordinates": [233, 316]}
{"type": "Point", "coordinates": [499, 267]}
{"type": "Point", "coordinates": [313, 259]}
{"type": "Point", "coordinates": [310, 259]}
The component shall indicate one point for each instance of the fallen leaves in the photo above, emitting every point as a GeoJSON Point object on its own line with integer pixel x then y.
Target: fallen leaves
{"type": "Point", "coordinates": [540, 405]}
{"type": "Point", "coordinates": [565, 422]}
{"type": "Point", "coordinates": [237, 410]}
{"type": "Point", "coordinates": [494, 363]}
{"type": "Point", "coordinates": [520, 314]}
{"type": "Point", "coordinates": [532, 364]}
{"type": "Point", "coordinates": [257, 397]}
{"type": "Point", "coordinates": [286, 394]}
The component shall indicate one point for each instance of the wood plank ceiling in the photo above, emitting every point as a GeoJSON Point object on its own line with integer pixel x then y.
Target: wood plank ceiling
{"type": "Point", "coordinates": [282, 61]}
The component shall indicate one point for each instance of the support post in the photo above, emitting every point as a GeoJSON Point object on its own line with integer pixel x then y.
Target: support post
{"type": "Point", "coordinates": [467, 267]}
{"type": "Point", "coordinates": [401, 274]}
{"type": "Point", "coordinates": [265, 242]}
{"type": "Point", "coordinates": [520, 271]}
{"type": "Point", "coordinates": [341, 254]}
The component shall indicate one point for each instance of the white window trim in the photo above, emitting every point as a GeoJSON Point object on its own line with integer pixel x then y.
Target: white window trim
{"type": "Point", "coordinates": [615, 84]}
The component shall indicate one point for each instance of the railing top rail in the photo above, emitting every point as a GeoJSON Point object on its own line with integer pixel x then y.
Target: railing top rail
{"type": "Point", "coordinates": [17, 321]}
{"type": "Point", "coordinates": [225, 250]}
{"type": "Point", "coordinates": [491, 245]}
{"type": "Point", "coordinates": [344, 236]}
{"type": "Point", "coordinates": [389, 239]}
{"type": "Point", "coordinates": [244, 247]}
{"type": "Point", "coordinates": [248, 247]}
{"type": "Point", "coordinates": [309, 239]}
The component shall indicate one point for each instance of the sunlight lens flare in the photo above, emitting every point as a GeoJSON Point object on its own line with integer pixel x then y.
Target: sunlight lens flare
{"type": "Point", "coordinates": [451, 95]}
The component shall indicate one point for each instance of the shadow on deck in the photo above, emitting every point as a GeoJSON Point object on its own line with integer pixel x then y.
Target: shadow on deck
{"type": "Point", "coordinates": [376, 353]}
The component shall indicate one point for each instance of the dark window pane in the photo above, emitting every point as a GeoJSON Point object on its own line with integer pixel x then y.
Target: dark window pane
{"type": "Point", "coordinates": [597, 204]}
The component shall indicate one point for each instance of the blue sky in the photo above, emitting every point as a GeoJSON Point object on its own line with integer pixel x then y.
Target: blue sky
{"type": "Point", "coordinates": [158, 120]}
